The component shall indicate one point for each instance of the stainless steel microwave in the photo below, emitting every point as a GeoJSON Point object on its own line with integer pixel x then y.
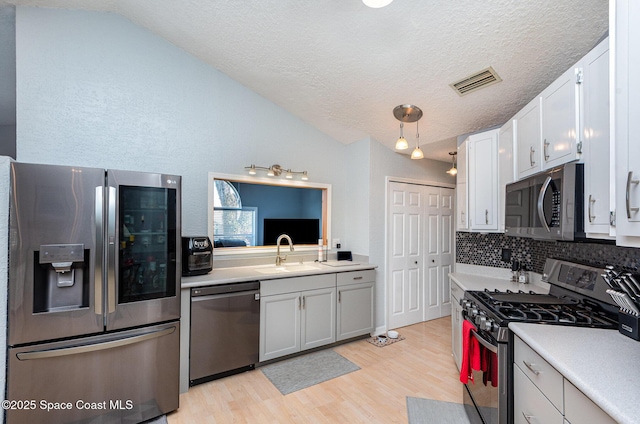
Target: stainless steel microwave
{"type": "Point", "coordinates": [548, 205]}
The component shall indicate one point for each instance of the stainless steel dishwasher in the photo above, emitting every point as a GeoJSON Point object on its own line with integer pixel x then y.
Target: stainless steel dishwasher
{"type": "Point", "coordinates": [225, 330]}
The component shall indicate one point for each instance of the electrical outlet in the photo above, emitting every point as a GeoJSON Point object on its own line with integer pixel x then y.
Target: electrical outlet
{"type": "Point", "coordinates": [336, 243]}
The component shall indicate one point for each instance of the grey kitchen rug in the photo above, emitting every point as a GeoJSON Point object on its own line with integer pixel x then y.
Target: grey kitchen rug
{"type": "Point", "coordinates": [428, 411]}
{"type": "Point", "coordinates": [307, 370]}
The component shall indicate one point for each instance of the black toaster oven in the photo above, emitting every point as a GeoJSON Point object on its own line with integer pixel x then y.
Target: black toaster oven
{"type": "Point", "coordinates": [197, 255]}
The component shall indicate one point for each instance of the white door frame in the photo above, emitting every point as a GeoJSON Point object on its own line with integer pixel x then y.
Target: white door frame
{"type": "Point", "coordinates": [387, 241]}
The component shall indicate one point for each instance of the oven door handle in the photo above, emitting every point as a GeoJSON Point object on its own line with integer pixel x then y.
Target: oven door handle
{"type": "Point", "coordinates": [485, 343]}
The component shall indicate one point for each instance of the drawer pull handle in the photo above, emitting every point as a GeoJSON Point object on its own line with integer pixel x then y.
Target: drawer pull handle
{"type": "Point", "coordinates": [527, 417]}
{"type": "Point", "coordinates": [357, 278]}
{"type": "Point", "coordinates": [530, 366]}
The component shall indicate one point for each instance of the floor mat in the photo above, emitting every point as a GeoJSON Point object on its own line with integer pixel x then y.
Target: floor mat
{"type": "Point", "coordinates": [304, 371]}
{"type": "Point", "coordinates": [388, 341]}
{"type": "Point", "coordinates": [428, 411]}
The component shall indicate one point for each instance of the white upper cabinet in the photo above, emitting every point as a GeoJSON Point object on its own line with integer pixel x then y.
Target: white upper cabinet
{"type": "Point", "coordinates": [626, 112]}
{"type": "Point", "coordinates": [482, 181]}
{"type": "Point", "coordinates": [559, 106]}
{"type": "Point", "coordinates": [506, 166]}
{"type": "Point", "coordinates": [595, 136]}
{"type": "Point", "coordinates": [528, 139]}
{"type": "Point", "coordinates": [462, 216]}
{"type": "Point", "coordinates": [547, 129]}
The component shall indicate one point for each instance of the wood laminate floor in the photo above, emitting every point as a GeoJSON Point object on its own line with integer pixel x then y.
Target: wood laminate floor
{"type": "Point", "coordinates": [420, 366]}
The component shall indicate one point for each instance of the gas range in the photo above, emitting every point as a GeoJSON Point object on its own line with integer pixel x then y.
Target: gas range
{"type": "Point", "coordinates": [577, 298]}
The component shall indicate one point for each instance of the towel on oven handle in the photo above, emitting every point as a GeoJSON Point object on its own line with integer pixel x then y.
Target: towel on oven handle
{"type": "Point", "coordinates": [470, 352]}
{"type": "Point", "coordinates": [489, 366]}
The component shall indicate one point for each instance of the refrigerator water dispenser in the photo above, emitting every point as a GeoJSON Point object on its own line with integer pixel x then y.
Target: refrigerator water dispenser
{"type": "Point", "coordinates": [59, 278]}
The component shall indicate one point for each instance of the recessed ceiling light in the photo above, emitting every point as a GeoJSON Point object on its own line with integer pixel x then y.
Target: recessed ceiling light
{"type": "Point", "coordinates": [376, 4]}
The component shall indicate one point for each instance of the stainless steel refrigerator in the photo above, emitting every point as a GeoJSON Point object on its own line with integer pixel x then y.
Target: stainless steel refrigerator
{"type": "Point", "coordinates": [94, 295]}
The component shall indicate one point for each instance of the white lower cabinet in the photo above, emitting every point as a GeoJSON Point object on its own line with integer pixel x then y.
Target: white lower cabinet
{"type": "Point", "coordinates": [542, 395]}
{"type": "Point", "coordinates": [579, 409]}
{"type": "Point", "coordinates": [279, 325]}
{"type": "Point", "coordinates": [296, 314]}
{"type": "Point", "coordinates": [355, 303]}
{"type": "Point", "coordinates": [539, 372]}
{"type": "Point", "coordinates": [529, 404]}
{"type": "Point", "coordinates": [456, 323]}
{"type": "Point", "coordinates": [317, 318]}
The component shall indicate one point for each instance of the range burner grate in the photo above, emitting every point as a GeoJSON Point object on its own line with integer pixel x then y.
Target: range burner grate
{"type": "Point", "coordinates": [509, 306]}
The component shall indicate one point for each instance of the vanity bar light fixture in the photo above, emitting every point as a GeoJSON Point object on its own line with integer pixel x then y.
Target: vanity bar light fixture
{"type": "Point", "coordinates": [276, 171]}
{"type": "Point", "coordinates": [408, 113]}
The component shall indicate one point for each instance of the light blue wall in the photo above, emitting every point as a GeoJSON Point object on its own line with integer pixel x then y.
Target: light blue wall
{"type": "Point", "coordinates": [94, 89]}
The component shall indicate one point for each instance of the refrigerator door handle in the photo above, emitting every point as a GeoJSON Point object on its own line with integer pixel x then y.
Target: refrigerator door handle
{"type": "Point", "coordinates": [99, 253]}
{"type": "Point", "coordinates": [93, 347]}
{"type": "Point", "coordinates": [111, 251]}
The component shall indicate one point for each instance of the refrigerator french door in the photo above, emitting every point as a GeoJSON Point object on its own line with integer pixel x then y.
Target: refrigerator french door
{"type": "Point", "coordinates": [94, 274]}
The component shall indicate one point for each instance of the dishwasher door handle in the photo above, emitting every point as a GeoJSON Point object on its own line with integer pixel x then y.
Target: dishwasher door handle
{"type": "Point", "coordinates": [255, 294]}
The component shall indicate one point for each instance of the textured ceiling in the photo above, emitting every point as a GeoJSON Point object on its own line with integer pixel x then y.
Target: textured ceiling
{"type": "Point", "coordinates": [342, 67]}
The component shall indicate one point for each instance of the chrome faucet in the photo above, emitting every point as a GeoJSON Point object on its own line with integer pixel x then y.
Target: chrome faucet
{"type": "Point", "coordinates": [280, 259]}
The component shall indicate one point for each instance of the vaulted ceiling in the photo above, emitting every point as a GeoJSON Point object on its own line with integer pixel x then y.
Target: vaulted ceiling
{"type": "Point", "coordinates": [342, 67]}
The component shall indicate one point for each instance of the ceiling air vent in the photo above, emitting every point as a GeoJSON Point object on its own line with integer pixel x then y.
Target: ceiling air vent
{"type": "Point", "coordinates": [476, 81]}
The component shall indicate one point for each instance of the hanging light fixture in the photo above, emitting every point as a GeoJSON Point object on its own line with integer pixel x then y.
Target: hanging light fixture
{"type": "Point", "coordinates": [408, 113]}
{"type": "Point", "coordinates": [453, 170]}
{"type": "Point", "coordinates": [417, 153]}
{"type": "Point", "coordinates": [401, 143]}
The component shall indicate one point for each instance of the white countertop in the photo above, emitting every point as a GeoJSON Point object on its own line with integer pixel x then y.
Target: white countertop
{"type": "Point", "coordinates": [250, 273]}
{"type": "Point", "coordinates": [470, 277]}
{"type": "Point", "coordinates": [602, 364]}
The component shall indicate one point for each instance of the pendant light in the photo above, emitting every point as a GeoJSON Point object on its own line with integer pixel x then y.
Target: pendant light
{"type": "Point", "coordinates": [408, 113]}
{"type": "Point", "coordinates": [453, 170]}
{"type": "Point", "coordinates": [417, 153]}
{"type": "Point", "coordinates": [401, 143]}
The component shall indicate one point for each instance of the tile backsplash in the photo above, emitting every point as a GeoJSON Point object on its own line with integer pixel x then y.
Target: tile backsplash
{"type": "Point", "coordinates": [486, 249]}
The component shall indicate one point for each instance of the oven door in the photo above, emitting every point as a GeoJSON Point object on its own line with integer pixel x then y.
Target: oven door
{"type": "Point", "coordinates": [484, 403]}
